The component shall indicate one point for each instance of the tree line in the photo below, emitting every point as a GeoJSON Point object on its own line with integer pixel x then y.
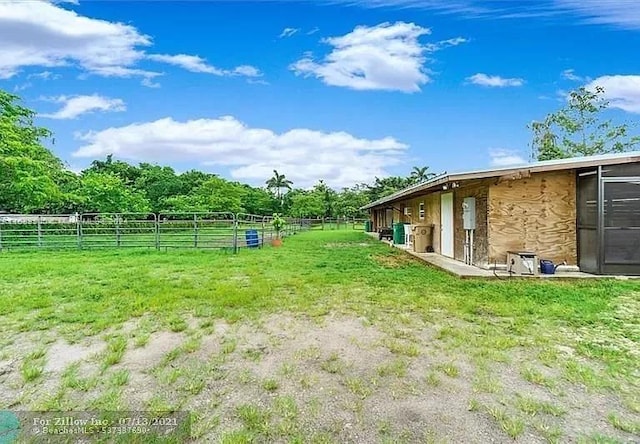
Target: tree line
{"type": "Point", "coordinates": [34, 180]}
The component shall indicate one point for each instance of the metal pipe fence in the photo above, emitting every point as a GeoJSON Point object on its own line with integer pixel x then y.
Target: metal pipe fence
{"type": "Point", "coordinates": [162, 231]}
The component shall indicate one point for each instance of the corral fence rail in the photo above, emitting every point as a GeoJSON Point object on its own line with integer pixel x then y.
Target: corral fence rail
{"type": "Point", "coordinates": [161, 231]}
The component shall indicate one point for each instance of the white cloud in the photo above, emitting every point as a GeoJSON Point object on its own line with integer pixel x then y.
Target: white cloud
{"type": "Point", "coordinates": [383, 57]}
{"type": "Point", "coordinates": [42, 33]}
{"type": "Point", "coordinates": [433, 47]}
{"type": "Point", "coordinates": [74, 106]}
{"type": "Point", "coordinates": [288, 32]}
{"type": "Point", "coordinates": [149, 83]}
{"type": "Point", "coordinates": [494, 81]}
{"type": "Point", "coordinates": [622, 92]}
{"type": "Point", "coordinates": [188, 62]}
{"type": "Point", "coordinates": [620, 13]}
{"type": "Point", "coordinates": [503, 157]}
{"type": "Point", "coordinates": [44, 75]}
{"type": "Point", "coordinates": [39, 33]}
{"type": "Point", "coordinates": [304, 155]}
{"type": "Point", "coordinates": [22, 87]}
{"type": "Point", "coordinates": [313, 31]}
{"type": "Point", "coordinates": [198, 64]}
{"type": "Point", "coordinates": [247, 71]}
{"type": "Point", "coordinates": [570, 74]}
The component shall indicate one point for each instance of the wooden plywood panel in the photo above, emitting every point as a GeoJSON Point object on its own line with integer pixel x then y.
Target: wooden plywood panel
{"type": "Point", "coordinates": [536, 214]}
{"type": "Point", "coordinates": [479, 190]}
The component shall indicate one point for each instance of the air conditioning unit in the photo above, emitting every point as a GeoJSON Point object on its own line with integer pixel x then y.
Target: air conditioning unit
{"type": "Point", "coordinates": [522, 263]}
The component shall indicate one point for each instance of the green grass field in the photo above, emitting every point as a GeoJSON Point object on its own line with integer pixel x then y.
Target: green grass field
{"type": "Point", "coordinates": [333, 337]}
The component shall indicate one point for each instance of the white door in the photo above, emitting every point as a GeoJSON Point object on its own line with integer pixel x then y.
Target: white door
{"type": "Point", "coordinates": [446, 224]}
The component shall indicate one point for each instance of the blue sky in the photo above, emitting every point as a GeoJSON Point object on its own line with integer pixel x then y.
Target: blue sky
{"type": "Point", "coordinates": [337, 90]}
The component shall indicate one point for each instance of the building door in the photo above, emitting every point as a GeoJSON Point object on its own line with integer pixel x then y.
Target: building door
{"type": "Point", "coordinates": [587, 205]}
{"type": "Point", "coordinates": [446, 224]}
{"type": "Point", "coordinates": [388, 220]}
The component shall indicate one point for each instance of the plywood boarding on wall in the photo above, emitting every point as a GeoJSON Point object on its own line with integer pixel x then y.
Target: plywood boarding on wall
{"type": "Point", "coordinates": [479, 190]}
{"type": "Point", "coordinates": [536, 213]}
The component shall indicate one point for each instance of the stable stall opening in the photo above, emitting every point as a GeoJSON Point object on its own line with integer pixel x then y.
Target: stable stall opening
{"type": "Point", "coordinates": [609, 219]}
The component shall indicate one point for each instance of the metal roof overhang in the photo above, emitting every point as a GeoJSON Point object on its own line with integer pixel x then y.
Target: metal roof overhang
{"type": "Point", "coordinates": [511, 171]}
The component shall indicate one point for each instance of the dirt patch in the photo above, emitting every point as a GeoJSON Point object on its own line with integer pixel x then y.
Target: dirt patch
{"type": "Point", "coordinates": [144, 358]}
{"type": "Point", "coordinates": [342, 379]}
{"type": "Point", "coordinates": [347, 244]}
{"type": "Point", "coordinates": [62, 354]}
{"type": "Point", "coordinates": [394, 260]}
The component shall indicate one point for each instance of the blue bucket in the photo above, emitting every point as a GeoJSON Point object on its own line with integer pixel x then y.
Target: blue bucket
{"type": "Point", "coordinates": [253, 240]}
{"type": "Point", "coordinates": [547, 267]}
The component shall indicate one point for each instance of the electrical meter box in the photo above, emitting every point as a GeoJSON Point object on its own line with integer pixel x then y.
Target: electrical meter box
{"type": "Point", "coordinates": [469, 213]}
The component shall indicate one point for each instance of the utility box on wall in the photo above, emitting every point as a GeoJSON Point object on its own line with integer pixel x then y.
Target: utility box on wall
{"type": "Point", "coordinates": [469, 213]}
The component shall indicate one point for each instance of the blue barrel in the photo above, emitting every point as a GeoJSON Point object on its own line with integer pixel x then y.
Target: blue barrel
{"type": "Point", "coordinates": [253, 240]}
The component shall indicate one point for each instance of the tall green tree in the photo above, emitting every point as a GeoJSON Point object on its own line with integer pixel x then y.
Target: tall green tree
{"type": "Point", "coordinates": [192, 179]}
{"type": "Point", "coordinates": [350, 200]}
{"type": "Point", "coordinates": [307, 204]}
{"type": "Point", "coordinates": [214, 195]}
{"type": "Point", "coordinates": [128, 173]}
{"type": "Point", "coordinates": [108, 193]}
{"type": "Point", "coordinates": [328, 197]}
{"type": "Point", "coordinates": [579, 129]}
{"type": "Point", "coordinates": [259, 201]}
{"type": "Point", "coordinates": [420, 174]}
{"type": "Point", "coordinates": [30, 174]}
{"type": "Point", "coordinates": [158, 183]}
{"type": "Point", "coordinates": [277, 183]}
{"type": "Point", "coordinates": [386, 186]}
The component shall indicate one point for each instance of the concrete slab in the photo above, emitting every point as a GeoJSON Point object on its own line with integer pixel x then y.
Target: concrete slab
{"type": "Point", "coordinates": [462, 270]}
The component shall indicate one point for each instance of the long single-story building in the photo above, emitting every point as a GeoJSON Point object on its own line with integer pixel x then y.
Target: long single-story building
{"type": "Point", "coordinates": [584, 212]}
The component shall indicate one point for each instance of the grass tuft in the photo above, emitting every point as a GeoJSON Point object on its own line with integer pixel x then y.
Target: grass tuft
{"type": "Point", "coordinates": [119, 378]}
{"type": "Point", "coordinates": [333, 364]}
{"type": "Point", "coordinates": [270, 385]}
{"type": "Point", "coordinates": [397, 368]}
{"type": "Point", "coordinates": [534, 407]}
{"type": "Point", "coordinates": [449, 369]}
{"type": "Point", "coordinates": [115, 351]}
{"type": "Point", "coordinates": [624, 424]}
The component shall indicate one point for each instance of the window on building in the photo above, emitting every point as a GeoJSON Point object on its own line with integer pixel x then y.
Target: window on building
{"type": "Point", "coordinates": [407, 211]}
{"type": "Point", "coordinates": [421, 210]}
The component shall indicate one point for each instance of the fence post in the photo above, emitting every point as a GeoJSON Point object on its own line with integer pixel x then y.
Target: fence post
{"type": "Point", "coordinates": [195, 230]}
{"type": "Point", "coordinates": [235, 234]}
{"type": "Point", "coordinates": [79, 230]}
{"type": "Point", "coordinates": [39, 231]}
{"type": "Point", "coordinates": [0, 236]}
{"type": "Point", "coordinates": [156, 218]}
{"type": "Point", "coordinates": [117, 230]}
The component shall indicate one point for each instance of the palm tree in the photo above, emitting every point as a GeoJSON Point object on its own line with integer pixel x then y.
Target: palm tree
{"type": "Point", "coordinates": [420, 174]}
{"type": "Point", "coordinates": [277, 183]}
